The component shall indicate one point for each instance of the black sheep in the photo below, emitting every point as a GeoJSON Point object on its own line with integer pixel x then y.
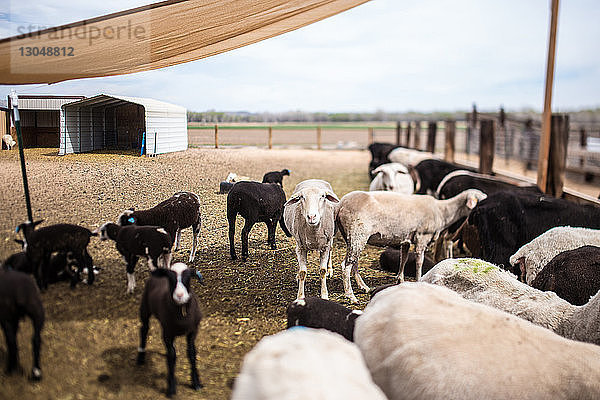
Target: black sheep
{"type": "Point", "coordinates": [169, 298]}
{"type": "Point", "coordinates": [499, 225]}
{"type": "Point", "coordinates": [389, 259]}
{"type": "Point", "coordinates": [178, 212]}
{"type": "Point", "coordinates": [429, 173]}
{"type": "Point", "coordinates": [135, 241]}
{"type": "Point", "coordinates": [62, 238]}
{"type": "Point", "coordinates": [314, 312]}
{"type": "Point", "coordinates": [458, 181]}
{"type": "Point", "coordinates": [573, 275]}
{"type": "Point", "coordinates": [255, 202]}
{"type": "Point", "coordinates": [20, 297]}
{"type": "Point", "coordinates": [275, 176]}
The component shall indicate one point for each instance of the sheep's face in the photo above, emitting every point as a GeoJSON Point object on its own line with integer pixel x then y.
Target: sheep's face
{"type": "Point", "coordinates": [313, 203]}
{"type": "Point", "coordinates": [126, 218]}
{"type": "Point", "coordinates": [179, 281]}
{"type": "Point", "coordinates": [388, 174]}
{"type": "Point", "coordinates": [474, 196]}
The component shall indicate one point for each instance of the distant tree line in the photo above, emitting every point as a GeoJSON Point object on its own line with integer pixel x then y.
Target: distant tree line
{"type": "Point", "coordinates": [212, 117]}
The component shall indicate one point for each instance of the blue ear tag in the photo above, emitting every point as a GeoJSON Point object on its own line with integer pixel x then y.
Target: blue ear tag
{"type": "Point", "coordinates": [17, 229]}
{"type": "Point", "coordinates": [132, 220]}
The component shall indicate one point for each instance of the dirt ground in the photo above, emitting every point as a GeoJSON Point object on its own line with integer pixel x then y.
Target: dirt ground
{"type": "Point", "coordinates": [91, 333]}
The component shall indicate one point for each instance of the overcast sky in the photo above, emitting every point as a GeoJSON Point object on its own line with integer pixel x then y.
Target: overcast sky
{"type": "Point", "coordinates": [391, 55]}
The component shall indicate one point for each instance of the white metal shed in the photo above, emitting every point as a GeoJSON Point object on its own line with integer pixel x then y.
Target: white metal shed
{"type": "Point", "coordinates": [110, 121]}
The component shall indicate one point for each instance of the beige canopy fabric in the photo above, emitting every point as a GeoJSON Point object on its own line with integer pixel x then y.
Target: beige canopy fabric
{"type": "Point", "coordinates": [154, 36]}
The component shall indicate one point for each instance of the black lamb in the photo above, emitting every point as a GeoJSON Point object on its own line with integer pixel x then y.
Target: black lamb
{"type": "Point", "coordinates": [178, 212]}
{"type": "Point", "coordinates": [389, 260]}
{"type": "Point", "coordinates": [276, 176]}
{"type": "Point", "coordinates": [169, 298]}
{"type": "Point", "coordinates": [255, 202]}
{"type": "Point", "coordinates": [133, 241]}
{"type": "Point", "coordinates": [430, 173]}
{"type": "Point", "coordinates": [379, 155]}
{"type": "Point", "coordinates": [314, 312]}
{"type": "Point", "coordinates": [20, 297]}
{"type": "Point", "coordinates": [62, 238]}
{"type": "Point", "coordinates": [573, 275]}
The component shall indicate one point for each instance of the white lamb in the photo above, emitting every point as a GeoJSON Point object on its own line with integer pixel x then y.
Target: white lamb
{"type": "Point", "coordinates": [425, 342]}
{"type": "Point", "coordinates": [9, 142]}
{"type": "Point", "coordinates": [304, 363]}
{"type": "Point", "coordinates": [485, 283]}
{"type": "Point", "coordinates": [533, 256]}
{"type": "Point", "coordinates": [393, 177]}
{"type": "Point", "coordinates": [393, 219]}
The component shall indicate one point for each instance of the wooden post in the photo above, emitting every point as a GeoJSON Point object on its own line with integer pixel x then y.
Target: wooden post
{"type": "Point", "coordinates": [417, 144]}
{"type": "Point", "coordinates": [370, 134]}
{"type": "Point", "coordinates": [216, 136]}
{"type": "Point", "coordinates": [557, 159]}
{"type": "Point", "coordinates": [544, 153]}
{"type": "Point", "coordinates": [486, 146]}
{"type": "Point", "coordinates": [408, 134]}
{"type": "Point", "coordinates": [431, 133]}
{"type": "Point", "coordinates": [398, 133]}
{"type": "Point", "coordinates": [270, 137]}
{"type": "Point", "coordinates": [449, 143]}
{"type": "Point", "coordinates": [319, 137]}
{"type": "Point", "coordinates": [468, 134]}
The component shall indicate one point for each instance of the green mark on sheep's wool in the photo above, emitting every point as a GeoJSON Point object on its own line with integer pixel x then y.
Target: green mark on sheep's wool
{"type": "Point", "coordinates": [474, 265]}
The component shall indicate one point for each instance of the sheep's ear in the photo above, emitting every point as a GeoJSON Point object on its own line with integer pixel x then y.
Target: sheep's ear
{"type": "Point", "coordinates": [472, 202]}
{"type": "Point", "coordinates": [330, 196]}
{"type": "Point", "coordinates": [292, 200]}
{"type": "Point", "coordinates": [414, 174]}
{"type": "Point", "coordinates": [36, 223]}
{"type": "Point", "coordinates": [377, 170]}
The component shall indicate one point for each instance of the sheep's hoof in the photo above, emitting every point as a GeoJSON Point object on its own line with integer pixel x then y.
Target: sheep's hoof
{"type": "Point", "coordinates": [141, 358]}
{"type": "Point", "coordinates": [352, 298]}
{"type": "Point", "coordinates": [273, 247]}
{"type": "Point", "coordinates": [234, 257]}
{"type": "Point", "coordinates": [197, 385]}
{"type": "Point", "coordinates": [244, 258]}
{"type": "Point", "coordinates": [36, 374]}
{"type": "Point", "coordinates": [329, 273]}
{"type": "Point", "coordinates": [171, 392]}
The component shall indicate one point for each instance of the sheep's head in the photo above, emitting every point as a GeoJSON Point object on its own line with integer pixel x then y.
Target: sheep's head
{"type": "Point", "coordinates": [179, 282]}
{"type": "Point", "coordinates": [107, 231]}
{"type": "Point", "coordinates": [313, 203]}
{"type": "Point", "coordinates": [388, 174]}
{"type": "Point", "coordinates": [126, 218]}
{"type": "Point", "coordinates": [474, 196]}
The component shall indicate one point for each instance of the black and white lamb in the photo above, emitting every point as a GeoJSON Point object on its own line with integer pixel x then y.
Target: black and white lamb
{"type": "Point", "coordinates": [39, 244]}
{"type": "Point", "coordinates": [573, 275]}
{"type": "Point", "coordinates": [169, 298]}
{"type": "Point", "coordinates": [314, 312]}
{"type": "Point", "coordinates": [134, 241]}
{"type": "Point", "coordinates": [20, 297]}
{"type": "Point", "coordinates": [178, 212]}
{"type": "Point", "coordinates": [255, 202]}
{"type": "Point", "coordinates": [276, 176]}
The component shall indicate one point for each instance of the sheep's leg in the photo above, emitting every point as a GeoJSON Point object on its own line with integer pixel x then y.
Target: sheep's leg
{"type": "Point", "coordinates": [323, 273]}
{"type": "Point", "coordinates": [245, 232]}
{"type": "Point", "coordinates": [358, 278]}
{"type": "Point", "coordinates": [329, 264]}
{"type": "Point", "coordinates": [352, 255]}
{"type": "Point", "coordinates": [145, 319]}
{"type": "Point", "coordinates": [89, 263]}
{"type": "Point", "coordinates": [404, 247]}
{"type": "Point", "coordinates": [36, 344]}
{"type": "Point", "coordinates": [301, 254]}
{"type": "Point", "coordinates": [420, 246]}
{"type": "Point", "coordinates": [177, 239]}
{"type": "Point", "coordinates": [196, 232]}
{"type": "Point", "coordinates": [191, 353]}
{"type": "Point", "coordinates": [130, 270]}
{"type": "Point", "coordinates": [171, 359]}
{"type": "Point", "coordinates": [271, 225]}
{"type": "Point", "coordinates": [231, 219]}
{"type": "Point", "coordinates": [10, 329]}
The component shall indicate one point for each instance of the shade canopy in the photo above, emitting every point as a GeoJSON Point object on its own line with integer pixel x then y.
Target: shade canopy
{"type": "Point", "coordinates": [153, 36]}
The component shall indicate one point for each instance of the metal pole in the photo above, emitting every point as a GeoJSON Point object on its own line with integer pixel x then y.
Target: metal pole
{"type": "Point", "coordinates": [17, 119]}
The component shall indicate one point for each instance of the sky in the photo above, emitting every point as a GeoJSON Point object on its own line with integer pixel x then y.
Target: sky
{"type": "Point", "coordinates": [389, 55]}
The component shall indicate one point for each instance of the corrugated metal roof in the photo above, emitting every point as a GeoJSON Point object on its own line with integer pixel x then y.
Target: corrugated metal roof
{"type": "Point", "coordinates": [149, 104]}
{"type": "Point", "coordinates": [44, 102]}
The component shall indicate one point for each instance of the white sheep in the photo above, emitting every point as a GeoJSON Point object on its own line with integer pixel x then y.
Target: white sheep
{"type": "Point", "coordinates": [309, 215]}
{"type": "Point", "coordinates": [485, 283]}
{"type": "Point", "coordinates": [393, 219]}
{"type": "Point", "coordinates": [393, 177]}
{"type": "Point", "coordinates": [533, 256]}
{"type": "Point", "coordinates": [408, 157]}
{"type": "Point", "coordinates": [425, 342]}
{"type": "Point", "coordinates": [305, 363]}
{"type": "Point", "coordinates": [9, 142]}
